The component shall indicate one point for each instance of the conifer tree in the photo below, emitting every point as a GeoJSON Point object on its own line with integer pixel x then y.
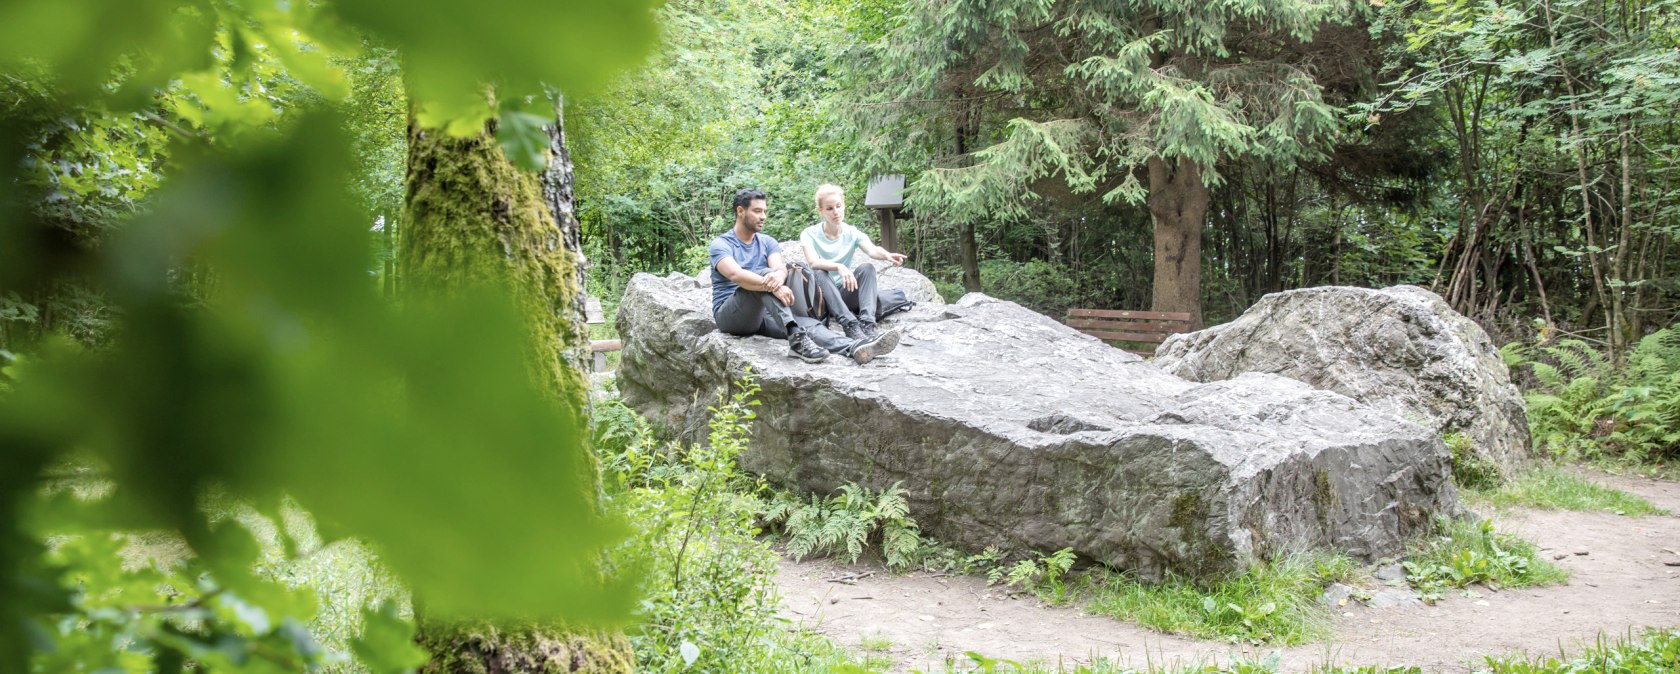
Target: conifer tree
{"type": "Point", "coordinates": [1135, 102]}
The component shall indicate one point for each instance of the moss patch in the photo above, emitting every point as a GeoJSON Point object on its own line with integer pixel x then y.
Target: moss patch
{"type": "Point", "coordinates": [1325, 498]}
{"type": "Point", "coordinates": [482, 648]}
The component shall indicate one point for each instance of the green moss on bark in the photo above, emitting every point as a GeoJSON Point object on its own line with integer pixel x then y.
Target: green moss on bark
{"type": "Point", "coordinates": [484, 648]}
{"type": "Point", "coordinates": [478, 221]}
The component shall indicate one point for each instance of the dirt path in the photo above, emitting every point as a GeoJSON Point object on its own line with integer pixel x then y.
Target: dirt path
{"type": "Point", "coordinates": [1619, 584]}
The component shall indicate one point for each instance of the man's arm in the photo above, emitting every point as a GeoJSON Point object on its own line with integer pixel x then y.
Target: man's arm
{"type": "Point", "coordinates": [769, 283]}
{"type": "Point", "coordinates": [778, 272]}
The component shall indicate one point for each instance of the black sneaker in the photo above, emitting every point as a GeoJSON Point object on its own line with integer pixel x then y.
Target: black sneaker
{"type": "Point", "coordinates": [869, 348]}
{"type": "Point", "coordinates": [870, 330]}
{"type": "Point", "coordinates": [855, 330]}
{"type": "Point", "coordinates": [800, 346]}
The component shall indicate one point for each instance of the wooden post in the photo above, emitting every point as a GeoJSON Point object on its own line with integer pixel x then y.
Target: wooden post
{"type": "Point", "coordinates": [889, 228]}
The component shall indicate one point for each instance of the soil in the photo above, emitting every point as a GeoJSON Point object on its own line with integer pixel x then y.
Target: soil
{"type": "Point", "coordinates": [1620, 583]}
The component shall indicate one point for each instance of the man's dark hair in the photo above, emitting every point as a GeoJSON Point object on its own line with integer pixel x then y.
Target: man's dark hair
{"type": "Point", "coordinates": [744, 198]}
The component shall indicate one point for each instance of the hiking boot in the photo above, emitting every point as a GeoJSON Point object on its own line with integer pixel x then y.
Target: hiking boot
{"type": "Point", "coordinates": [855, 330]}
{"type": "Point", "coordinates": [869, 348]}
{"type": "Point", "coordinates": [869, 328]}
{"type": "Point", "coordinates": [800, 346]}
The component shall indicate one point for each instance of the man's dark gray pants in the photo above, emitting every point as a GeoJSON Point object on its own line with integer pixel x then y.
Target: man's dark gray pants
{"type": "Point", "coordinates": [845, 304]}
{"type": "Point", "coordinates": [750, 312]}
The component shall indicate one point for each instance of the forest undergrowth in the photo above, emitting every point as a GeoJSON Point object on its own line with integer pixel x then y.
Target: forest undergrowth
{"type": "Point", "coordinates": [1276, 603]}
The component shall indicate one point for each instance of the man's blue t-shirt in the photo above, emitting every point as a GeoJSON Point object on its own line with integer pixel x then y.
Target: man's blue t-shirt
{"type": "Point", "coordinates": [753, 257]}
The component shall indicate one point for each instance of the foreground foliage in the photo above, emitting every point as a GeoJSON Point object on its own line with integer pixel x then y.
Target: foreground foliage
{"type": "Point", "coordinates": [1653, 652]}
{"type": "Point", "coordinates": [1462, 552]}
{"type": "Point", "coordinates": [274, 598]}
{"type": "Point", "coordinates": [247, 349]}
{"type": "Point", "coordinates": [707, 580]}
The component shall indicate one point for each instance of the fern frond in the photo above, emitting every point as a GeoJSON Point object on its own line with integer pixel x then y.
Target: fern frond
{"type": "Point", "coordinates": [899, 543]}
{"type": "Point", "coordinates": [1575, 357]}
{"type": "Point", "coordinates": [1514, 354]}
{"type": "Point", "coordinates": [892, 506]}
{"type": "Point", "coordinates": [1059, 562]}
{"type": "Point", "coordinates": [856, 535]}
{"type": "Point", "coordinates": [1656, 358]}
{"type": "Point", "coordinates": [1548, 375]}
{"type": "Point", "coordinates": [834, 529]}
{"type": "Point", "coordinates": [853, 497]}
{"type": "Point", "coordinates": [1024, 572]}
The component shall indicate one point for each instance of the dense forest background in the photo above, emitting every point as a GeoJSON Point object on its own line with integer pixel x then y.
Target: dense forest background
{"type": "Point", "coordinates": [1518, 158]}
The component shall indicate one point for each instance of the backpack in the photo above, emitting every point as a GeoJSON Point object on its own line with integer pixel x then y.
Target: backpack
{"type": "Point", "coordinates": [889, 301]}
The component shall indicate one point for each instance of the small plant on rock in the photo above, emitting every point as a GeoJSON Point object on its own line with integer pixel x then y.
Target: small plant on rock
{"type": "Point", "coordinates": [1469, 470]}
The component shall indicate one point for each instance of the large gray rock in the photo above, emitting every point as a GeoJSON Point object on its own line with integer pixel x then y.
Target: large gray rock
{"type": "Point", "coordinates": [1005, 427]}
{"type": "Point", "coordinates": [1401, 349]}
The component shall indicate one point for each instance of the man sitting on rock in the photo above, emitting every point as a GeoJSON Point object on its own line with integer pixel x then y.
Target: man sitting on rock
{"type": "Point", "coordinates": [751, 294]}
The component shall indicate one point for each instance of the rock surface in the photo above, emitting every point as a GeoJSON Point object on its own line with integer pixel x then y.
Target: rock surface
{"type": "Point", "coordinates": [1007, 428]}
{"type": "Point", "coordinates": [1401, 349]}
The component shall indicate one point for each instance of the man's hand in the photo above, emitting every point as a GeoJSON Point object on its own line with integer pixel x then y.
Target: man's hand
{"type": "Point", "coordinates": [785, 294]}
{"type": "Point", "coordinates": [897, 259]}
{"type": "Point", "coordinates": [848, 281]}
{"type": "Point", "coordinates": [774, 280]}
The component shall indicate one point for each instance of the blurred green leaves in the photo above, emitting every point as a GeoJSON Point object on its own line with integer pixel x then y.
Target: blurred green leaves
{"type": "Point", "coordinates": [253, 350]}
{"type": "Point", "coordinates": [420, 430]}
{"type": "Point", "coordinates": [387, 642]}
{"type": "Point", "coordinates": [451, 50]}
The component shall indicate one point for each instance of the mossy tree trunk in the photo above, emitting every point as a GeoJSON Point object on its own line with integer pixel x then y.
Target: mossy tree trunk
{"type": "Point", "coordinates": [474, 219]}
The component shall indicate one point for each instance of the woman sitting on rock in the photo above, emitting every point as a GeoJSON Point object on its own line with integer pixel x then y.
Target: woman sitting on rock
{"type": "Point", "coordinates": [848, 293]}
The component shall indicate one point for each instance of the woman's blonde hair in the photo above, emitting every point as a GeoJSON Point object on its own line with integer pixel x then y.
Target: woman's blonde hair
{"type": "Point", "coordinates": [826, 190]}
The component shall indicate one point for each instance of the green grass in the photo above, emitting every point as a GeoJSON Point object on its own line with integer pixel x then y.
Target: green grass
{"type": "Point", "coordinates": [1460, 553]}
{"type": "Point", "coordinates": [1271, 603]}
{"type": "Point", "coordinates": [1655, 651]}
{"type": "Point", "coordinates": [1552, 488]}
{"type": "Point", "coordinates": [980, 664]}
{"type": "Point", "coordinates": [875, 643]}
{"type": "Point", "coordinates": [1657, 470]}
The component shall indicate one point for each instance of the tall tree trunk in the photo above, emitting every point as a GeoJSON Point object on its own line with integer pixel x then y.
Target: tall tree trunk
{"type": "Point", "coordinates": [970, 253]}
{"type": "Point", "coordinates": [474, 218]}
{"type": "Point", "coordinates": [1178, 203]}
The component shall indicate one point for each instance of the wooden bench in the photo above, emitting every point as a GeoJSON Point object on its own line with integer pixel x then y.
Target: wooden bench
{"type": "Point", "coordinates": [598, 348]}
{"type": "Point", "coordinates": [1148, 327]}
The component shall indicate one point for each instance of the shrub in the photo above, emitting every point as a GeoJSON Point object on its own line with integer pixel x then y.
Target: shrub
{"type": "Point", "coordinates": [707, 580]}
